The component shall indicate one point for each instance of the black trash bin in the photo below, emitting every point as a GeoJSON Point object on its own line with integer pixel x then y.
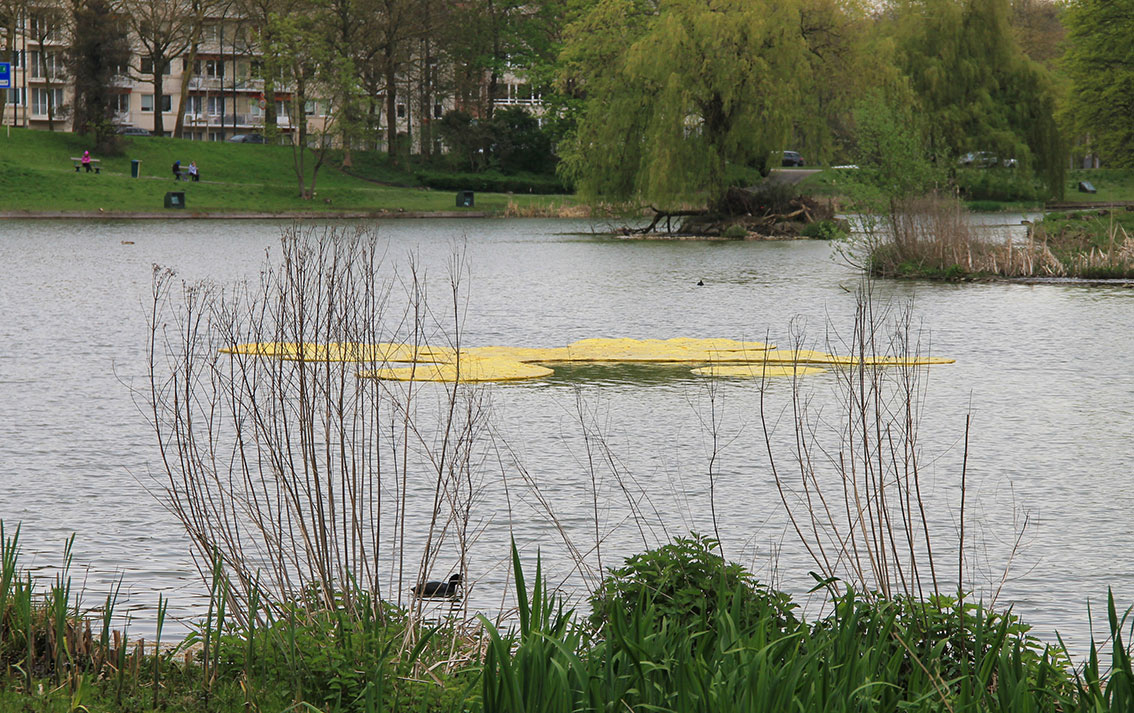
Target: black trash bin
{"type": "Point", "coordinates": [135, 167]}
{"type": "Point", "coordinates": [464, 199]}
{"type": "Point", "coordinates": [175, 199]}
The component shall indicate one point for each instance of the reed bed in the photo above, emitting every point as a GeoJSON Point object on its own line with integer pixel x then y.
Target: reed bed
{"type": "Point", "coordinates": [931, 237]}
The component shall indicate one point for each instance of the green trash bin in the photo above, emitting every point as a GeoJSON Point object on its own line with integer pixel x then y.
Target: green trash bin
{"type": "Point", "coordinates": [464, 199]}
{"type": "Point", "coordinates": [175, 199]}
{"type": "Point", "coordinates": [135, 167]}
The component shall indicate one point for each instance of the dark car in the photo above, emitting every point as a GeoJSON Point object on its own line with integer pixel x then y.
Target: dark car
{"type": "Point", "coordinates": [133, 131]}
{"type": "Point", "coordinates": [791, 158]}
{"type": "Point", "coordinates": [985, 159]}
{"type": "Point", "coordinates": [247, 139]}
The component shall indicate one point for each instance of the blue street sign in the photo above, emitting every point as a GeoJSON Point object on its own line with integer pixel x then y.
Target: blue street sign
{"type": "Point", "coordinates": [5, 75]}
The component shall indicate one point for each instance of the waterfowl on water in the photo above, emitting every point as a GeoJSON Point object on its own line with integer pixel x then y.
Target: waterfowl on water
{"type": "Point", "coordinates": [439, 589]}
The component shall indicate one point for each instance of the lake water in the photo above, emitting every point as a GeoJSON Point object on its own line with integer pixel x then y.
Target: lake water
{"type": "Point", "coordinates": [1043, 369]}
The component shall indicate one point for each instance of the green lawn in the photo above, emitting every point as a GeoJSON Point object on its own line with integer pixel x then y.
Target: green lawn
{"type": "Point", "coordinates": [1113, 184]}
{"type": "Point", "coordinates": [36, 174]}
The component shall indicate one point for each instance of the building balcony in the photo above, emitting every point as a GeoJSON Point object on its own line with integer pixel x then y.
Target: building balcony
{"type": "Point", "coordinates": [221, 84]}
{"type": "Point", "coordinates": [517, 101]}
{"type": "Point", "coordinates": [242, 121]}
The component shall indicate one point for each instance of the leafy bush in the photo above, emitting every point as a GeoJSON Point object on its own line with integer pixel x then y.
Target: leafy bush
{"type": "Point", "coordinates": [684, 582]}
{"type": "Point", "coordinates": [999, 184]}
{"type": "Point", "coordinates": [824, 230]}
{"type": "Point", "coordinates": [511, 141]}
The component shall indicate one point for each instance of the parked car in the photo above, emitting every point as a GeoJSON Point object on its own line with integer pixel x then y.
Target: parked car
{"type": "Point", "coordinates": [791, 158]}
{"type": "Point", "coordinates": [247, 139]}
{"type": "Point", "coordinates": [985, 159]}
{"type": "Point", "coordinates": [133, 131]}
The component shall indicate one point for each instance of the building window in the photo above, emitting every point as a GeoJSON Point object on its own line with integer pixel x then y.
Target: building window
{"type": "Point", "coordinates": [216, 106]}
{"type": "Point", "coordinates": [401, 111]}
{"type": "Point", "coordinates": [281, 109]}
{"type": "Point", "coordinates": [122, 103]}
{"type": "Point", "coordinates": [212, 33]}
{"type": "Point", "coordinates": [310, 107]}
{"type": "Point", "coordinates": [41, 97]}
{"type": "Point", "coordinates": [166, 103]}
{"type": "Point", "coordinates": [17, 96]}
{"type": "Point", "coordinates": [45, 27]}
{"type": "Point", "coordinates": [438, 111]}
{"type": "Point", "coordinates": [216, 136]}
{"type": "Point", "coordinates": [214, 68]}
{"type": "Point", "coordinates": [193, 106]}
{"type": "Point", "coordinates": [46, 64]}
{"type": "Point", "coordinates": [147, 102]}
{"type": "Point", "coordinates": [17, 59]}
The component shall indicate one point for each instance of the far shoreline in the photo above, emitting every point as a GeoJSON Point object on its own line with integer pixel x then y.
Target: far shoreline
{"type": "Point", "coordinates": [236, 215]}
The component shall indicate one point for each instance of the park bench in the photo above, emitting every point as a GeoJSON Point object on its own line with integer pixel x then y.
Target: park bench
{"type": "Point", "coordinates": [78, 161]}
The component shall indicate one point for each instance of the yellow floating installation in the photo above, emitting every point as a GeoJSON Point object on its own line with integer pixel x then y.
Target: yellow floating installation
{"type": "Point", "coordinates": [809, 356]}
{"type": "Point", "coordinates": [722, 357]}
{"type": "Point", "coordinates": [679, 350]}
{"type": "Point", "coordinates": [756, 371]}
{"type": "Point", "coordinates": [344, 352]}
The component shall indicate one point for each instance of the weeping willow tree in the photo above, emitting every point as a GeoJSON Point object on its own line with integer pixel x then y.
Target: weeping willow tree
{"type": "Point", "coordinates": [976, 85]}
{"type": "Point", "coordinates": [1100, 63]}
{"type": "Point", "coordinates": [675, 91]}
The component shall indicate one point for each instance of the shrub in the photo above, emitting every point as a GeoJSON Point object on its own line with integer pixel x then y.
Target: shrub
{"type": "Point", "coordinates": [999, 184]}
{"type": "Point", "coordinates": [824, 230]}
{"type": "Point", "coordinates": [684, 582]}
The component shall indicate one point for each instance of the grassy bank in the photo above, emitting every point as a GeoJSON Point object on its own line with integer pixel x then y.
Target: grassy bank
{"type": "Point", "coordinates": [36, 174]}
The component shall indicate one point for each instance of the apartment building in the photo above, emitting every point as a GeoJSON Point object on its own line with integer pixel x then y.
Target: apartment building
{"type": "Point", "coordinates": [224, 95]}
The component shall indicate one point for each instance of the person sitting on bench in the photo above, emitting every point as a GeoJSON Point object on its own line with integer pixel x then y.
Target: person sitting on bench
{"type": "Point", "coordinates": [177, 170]}
{"type": "Point", "coordinates": [87, 160]}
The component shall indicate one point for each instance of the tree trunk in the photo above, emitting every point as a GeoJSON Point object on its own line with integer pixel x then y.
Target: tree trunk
{"type": "Point", "coordinates": [494, 78]}
{"type": "Point", "coordinates": [187, 75]}
{"type": "Point", "coordinates": [425, 134]}
{"type": "Point", "coordinates": [159, 85]}
{"type": "Point", "coordinates": [391, 108]}
{"type": "Point", "coordinates": [299, 146]}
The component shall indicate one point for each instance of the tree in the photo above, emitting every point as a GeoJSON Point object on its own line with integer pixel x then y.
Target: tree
{"type": "Point", "coordinates": [847, 60]}
{"type": "Point", "coordinates": [1039, 30]}
{"type": "Point", "coordinates": [1100, 63]}
{"type": "Point", "coordinates": [976, 85]}
{"type": "Point", "coordinates": [488, 38]}
{"type": "Point", "coordinates": [98, 53]}
{"type": "Point", "coordinates": [199, 10]}
{"type": "Point", "coordinates": [695, 86]}
{"type": "Point", "coordinates": [163, 29]}
{"type": "Point", "coordinates": [301, 54]}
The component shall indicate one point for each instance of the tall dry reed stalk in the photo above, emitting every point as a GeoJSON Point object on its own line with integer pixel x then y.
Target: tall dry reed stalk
{"type": "Point", "coordinates": [307, 484]}
{"type": "Point", "coordinates": [852, 486]}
